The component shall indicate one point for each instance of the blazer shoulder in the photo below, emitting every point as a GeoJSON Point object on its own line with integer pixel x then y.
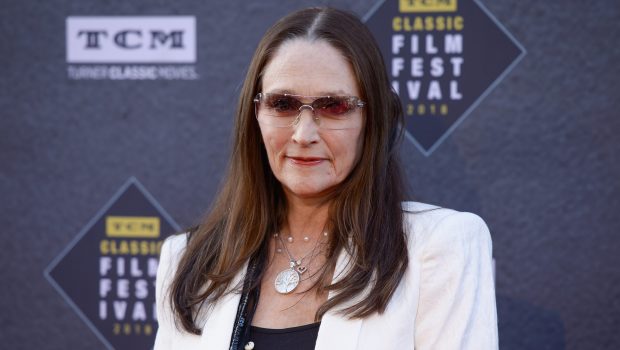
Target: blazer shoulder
{"type": "Point", "coordinates": [420, 218]}
{"type": "Point", "coordinates": [461, 228]}
{"type": "Point", "coordinates": [175, 244]}
{"type": "Point", "coordinates": [427, 222]}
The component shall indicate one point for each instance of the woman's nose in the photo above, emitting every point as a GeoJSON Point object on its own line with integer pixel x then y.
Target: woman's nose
{"type": "Point", "coordinates": [306, 127]}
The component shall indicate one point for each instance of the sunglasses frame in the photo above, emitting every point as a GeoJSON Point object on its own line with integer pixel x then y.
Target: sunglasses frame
{"type": "Point", "coordinates": [354, 101]}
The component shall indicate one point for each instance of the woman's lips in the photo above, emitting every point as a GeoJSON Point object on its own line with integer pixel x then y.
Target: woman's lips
{"type": "Point", "coordinates": [309, 161]}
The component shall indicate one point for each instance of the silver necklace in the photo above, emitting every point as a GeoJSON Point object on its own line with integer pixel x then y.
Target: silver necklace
{"type": "Point", "coordinates": [287, 280]}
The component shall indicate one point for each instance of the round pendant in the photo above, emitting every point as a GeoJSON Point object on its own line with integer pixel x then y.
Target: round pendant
{"type": "Point", "coordinates": [287, 281]}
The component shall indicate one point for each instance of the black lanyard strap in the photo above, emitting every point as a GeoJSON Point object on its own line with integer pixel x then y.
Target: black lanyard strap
{"type": "Point", "coordinates": [249, 297]}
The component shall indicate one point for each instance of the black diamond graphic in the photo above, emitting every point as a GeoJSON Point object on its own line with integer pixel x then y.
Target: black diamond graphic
{"type": "Point", "coordinates": [443, 57]}
{"type": "Point", "coordinates": [107, 273]}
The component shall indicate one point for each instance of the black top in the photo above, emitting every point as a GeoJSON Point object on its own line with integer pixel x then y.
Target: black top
{"type": "Point", "coordinates": [294, 338]}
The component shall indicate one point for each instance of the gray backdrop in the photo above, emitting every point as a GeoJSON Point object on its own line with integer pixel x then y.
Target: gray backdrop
{"type": "Point", "coordinates": [538, 159]}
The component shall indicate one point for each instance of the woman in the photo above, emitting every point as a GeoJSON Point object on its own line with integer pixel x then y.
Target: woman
{"type": "Point", "coordinates": [308, 244]}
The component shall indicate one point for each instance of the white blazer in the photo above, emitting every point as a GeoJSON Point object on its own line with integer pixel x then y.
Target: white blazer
{"type": "Point", "coordinates": [446, 299]}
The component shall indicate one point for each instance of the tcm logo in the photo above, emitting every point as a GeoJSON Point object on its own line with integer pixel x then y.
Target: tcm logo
{"type": "Point", "coordinates": [132, 226]}
{"type": "Point", "coordinates": [413, 6]}
{"type": "Point", "coordinates": [169, 39]}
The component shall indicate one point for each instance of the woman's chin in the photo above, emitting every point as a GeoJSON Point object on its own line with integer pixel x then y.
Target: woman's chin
{"type": "Point", "coordinates": [307, 191]}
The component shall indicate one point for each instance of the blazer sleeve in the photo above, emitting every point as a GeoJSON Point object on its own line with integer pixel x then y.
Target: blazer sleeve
{"type": "Point", "coordinates": [168, 260]}
{"type": "Point", "coordinates": [456, 308]}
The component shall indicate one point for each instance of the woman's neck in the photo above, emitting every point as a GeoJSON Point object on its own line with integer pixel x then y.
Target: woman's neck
{"type": "Point", "coordinates": [306, 218]}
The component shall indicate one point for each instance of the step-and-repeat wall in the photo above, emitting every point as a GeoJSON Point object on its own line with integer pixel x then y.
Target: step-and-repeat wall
{"type": "Point", "coordinates": [115, 127]}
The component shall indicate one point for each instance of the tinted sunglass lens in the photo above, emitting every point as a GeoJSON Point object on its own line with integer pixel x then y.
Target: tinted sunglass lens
{"type": "Point", "coordinates": [282, 104]}
{"type": "Point", "coordinates": [333, 105]}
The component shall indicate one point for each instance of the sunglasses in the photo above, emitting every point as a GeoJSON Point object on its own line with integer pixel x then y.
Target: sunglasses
{"type": "Point", "coordinates": [284, 110]}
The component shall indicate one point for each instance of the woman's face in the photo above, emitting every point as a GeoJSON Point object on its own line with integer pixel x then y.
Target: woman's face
{"type": "Point", "coordinates": [310, 161]}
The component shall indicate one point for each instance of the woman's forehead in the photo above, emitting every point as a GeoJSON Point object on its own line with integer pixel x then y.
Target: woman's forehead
{"type": "Point", "coordinates": [309, 67]}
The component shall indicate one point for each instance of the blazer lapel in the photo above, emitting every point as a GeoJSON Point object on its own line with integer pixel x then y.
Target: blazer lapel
{"type": "Point", "coordinates": [338, 331]}
{"type": "Point", "coordinates": [221, 318]}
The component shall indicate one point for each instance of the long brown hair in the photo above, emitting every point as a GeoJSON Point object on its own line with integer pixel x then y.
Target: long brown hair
{"type": "Point", "coordinates": [365, 216]}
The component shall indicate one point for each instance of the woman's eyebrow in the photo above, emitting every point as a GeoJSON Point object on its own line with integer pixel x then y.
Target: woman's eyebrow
{"type": "Point", "coordinates": [334, 93]}
{"type": "Point", "coordinates": [322, 93]}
